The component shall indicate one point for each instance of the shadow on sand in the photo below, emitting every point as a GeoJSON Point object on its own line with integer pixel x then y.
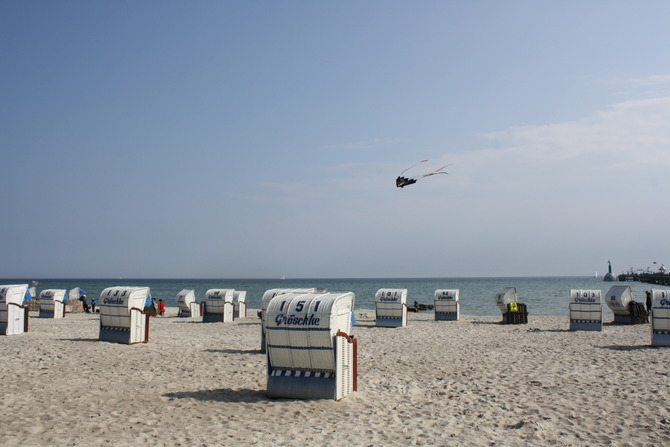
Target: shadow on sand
{"type": "Point", "coordinates": [234, 351]}
{"type": "Point", "coordinates": [223, 395]}
{"type": "Point", "coordinates": [79, 339]}
{"type": "Point", "coordinates": [630, 348]}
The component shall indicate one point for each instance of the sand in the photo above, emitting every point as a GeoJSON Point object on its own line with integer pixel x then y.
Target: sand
{"type": "Point", "coordinates": [468, 383]}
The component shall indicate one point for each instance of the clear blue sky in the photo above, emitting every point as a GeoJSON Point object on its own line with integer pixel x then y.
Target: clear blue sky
{"type": "Point", "coordinates": [262, 138]}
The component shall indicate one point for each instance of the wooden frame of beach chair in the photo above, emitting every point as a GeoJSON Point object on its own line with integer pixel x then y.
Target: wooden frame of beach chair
{"type": "Point", "coordinates": [447, 305]}
{"type": "Point", "coordinates": [586, 310]}
{"type": "Point", "coordinates": [218, 306]}
{"type": "Point", "coordinates": [310, 352]}
{"type": "Point", "coordinates": [660, 317]}
{"type": "Point", "coordinates": [52, 303]}
{"type": "Point", "coordinates": [122, 316]}
{"type": "Point", "coordinates": [239, 304]}
{"type": "Point", "coordinates": [13, 314]}
{"type": "Point", "coordinates": [391, 307]}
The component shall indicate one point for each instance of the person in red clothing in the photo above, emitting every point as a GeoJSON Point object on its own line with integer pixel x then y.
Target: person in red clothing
{"type": "Point", "coordinates": [161, 307]}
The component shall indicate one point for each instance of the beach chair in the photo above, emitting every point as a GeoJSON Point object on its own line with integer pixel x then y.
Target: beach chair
{"type": "Point", "coordinates": [122, 316]}
{"type": "Point", "coordinates": [618, 299]}
{"type": "Point", "coordinates": [218, 306]}
{"type": "Point", "coordinates": [188, 307]}
{"type": "Point", "coordinates": [73, 304]}
{"type": "Point", "coordinates": [391, 307]}
{"type": "Point", "coordinates": [660, 317]}
{"type": "Point", "coordinates": [13, 314]}
{"type": "Point", "coordinates": [239, 304]}
{"type": "Point", "coordinates": [52, 303]}
{"type": "Point", "coordinates": [310, 351]}
{"type": "Point", "coordinates": [586, 310]}
{"type": "Point", "coordinates": [269, 295]}
{"type": "Point", "coordinates": [447, 305]}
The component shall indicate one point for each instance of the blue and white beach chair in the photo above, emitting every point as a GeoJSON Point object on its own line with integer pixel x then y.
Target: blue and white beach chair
{"type": "Point", "coordinates": [586, 310]}
{"type": "Point", "coordinates": [122, 316]}
{"type": "Point", "coordinates": [310, 351]}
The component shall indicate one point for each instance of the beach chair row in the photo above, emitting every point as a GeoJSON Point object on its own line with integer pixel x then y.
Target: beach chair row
{"type": "Point", "coordinates": [307, 333]}
{"type": "Point", "coordinates": [220, 305]}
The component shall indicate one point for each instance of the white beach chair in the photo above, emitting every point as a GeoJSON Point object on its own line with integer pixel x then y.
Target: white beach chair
{"type": "Point", "coordinates": [391, 307]}
{"type": "Point", "coordinates": [310, 351]}
{"type": "Point", "coordinates": [618, 299]}
{"type": "Point", "coordinates": [447, 305]}
{"type": "Point", "coordinates": [586, 310]}
{"type": "Point", "coordinates": [13, 314]}
{"type": "Point", "coordinates": [660, 317]}
{"type": "Point", "coordinates": [503, 298]}
{"type": "Point", "coordinates": [188, 307]}
{"type": "Point", "coordinates": [52, 303]}
{"type": "Point", "coordinates": [269, 295]}
{"type": "Point", "coordinates": [240, 304]}
{"type": "Point", "coordinates": [218, 306]}
{"type": "Point", "coordinates": [122, 316]}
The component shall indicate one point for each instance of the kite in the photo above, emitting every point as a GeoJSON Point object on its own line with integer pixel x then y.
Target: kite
{"type": "Point", "coordinates": [411, 175]}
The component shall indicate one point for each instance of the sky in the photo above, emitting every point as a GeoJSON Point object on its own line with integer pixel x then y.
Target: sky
{"type": "Point", "coordinates": [259, 139]}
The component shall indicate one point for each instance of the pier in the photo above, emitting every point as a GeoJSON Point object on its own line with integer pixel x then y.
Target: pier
{"type": "Point", "coordinates": [661, 279]}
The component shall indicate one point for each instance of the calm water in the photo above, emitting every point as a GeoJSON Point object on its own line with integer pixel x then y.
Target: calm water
{"type": "Point", "coordinates": [543, 296]}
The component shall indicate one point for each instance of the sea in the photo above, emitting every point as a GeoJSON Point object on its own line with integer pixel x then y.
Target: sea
{"type": "Point", "coordinates": [542, 295]}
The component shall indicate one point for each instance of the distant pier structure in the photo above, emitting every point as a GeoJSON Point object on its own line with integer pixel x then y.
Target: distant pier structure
{"type": "Point", "coordinates": [659, 277]}
{"type": "Point", "coordinates": [609, 276]}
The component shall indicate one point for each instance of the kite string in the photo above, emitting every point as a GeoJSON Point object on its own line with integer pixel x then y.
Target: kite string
{"type": "Point", "coordinates": [422, 161]}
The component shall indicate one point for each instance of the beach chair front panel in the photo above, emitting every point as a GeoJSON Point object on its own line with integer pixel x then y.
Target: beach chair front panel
{"type": "Point", "coordinates": [391, 307]}
{"type": "Point", "coordinates": [660, 317]}
{"type": "Point", "coordinates": [12, 313]}
{"type": "Point", "coordinates": [268, 296]}
{"type": "Point", "coordinates": [184, 300]}
{"type": "Point", "coordinates": [309, 354]}
{"type": "Point", "coordinates": [301, 330]}
{"type": "Point", "coordinates": [447, 304]}
{"type": "Point", "coordinates": [217, 301]}
{"type": "Point", "coordinates": [219, 305]}
{"type": "Point", "coordinates": [52, 303]}
{"type": "Point", "coordinates": [618, 298]}
{"type": "Point", "coordinates": [585, 307]}
{"type": "Point", "coordinates": [116, 302]}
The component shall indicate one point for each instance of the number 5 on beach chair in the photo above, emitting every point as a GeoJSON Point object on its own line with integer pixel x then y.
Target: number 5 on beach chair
{"type": "Point", "coordinates": [268, 296]}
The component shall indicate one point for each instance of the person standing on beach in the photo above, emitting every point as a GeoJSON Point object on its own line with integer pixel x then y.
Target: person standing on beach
{"type": "Point", "coordinates": [648, 301]}
{"type": "Point", "coordinates": [84, 303]}
{"type": "Point", "coordinates": [93, 303]}
{"type": "Point", "coordinates": [161, 307]}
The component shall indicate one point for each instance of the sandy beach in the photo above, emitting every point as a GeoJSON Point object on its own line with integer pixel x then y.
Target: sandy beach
{"type": "Point", "coordinates": [473, 382]}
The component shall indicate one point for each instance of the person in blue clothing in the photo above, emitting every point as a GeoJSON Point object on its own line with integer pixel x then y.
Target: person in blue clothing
{"type": "Point", "coordinates": [93, 303]}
